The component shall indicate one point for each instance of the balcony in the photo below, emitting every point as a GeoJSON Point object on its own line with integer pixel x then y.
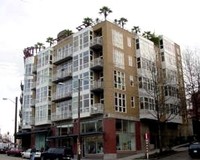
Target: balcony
{"type": "Point", "coordinates": [147, 114]}
{"type": "Point", "coordinates": [96, 43]}
{"type": "Point", "coordinates": [96, 86]}
{"type": "Point", "coordinates": [33, 86]}
{"type": "Point", "coordinates": [34, 71]}
{"type": "Point", "coordinates": [42, 120]}
{"type": "Point", "coordinates": [62, 116]}
{"type": "Point", "coordinates": [97, 108]}
{"type": "Point", "coordinates": [96, 64]}
{"type": "Point", "coordinates": [62, 57]}
{"type": "Point", "coordinates": [62, 76]}
{"type": "Point", "coordinates": [62, 96]}
{"type": "Point", "coordinates": [33, 101]}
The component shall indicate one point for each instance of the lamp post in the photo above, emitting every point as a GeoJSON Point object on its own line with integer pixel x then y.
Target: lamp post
{"type": "Point", "coordinates": [15, 126]}
{"type": "Point", "coordinates": [78, 123]}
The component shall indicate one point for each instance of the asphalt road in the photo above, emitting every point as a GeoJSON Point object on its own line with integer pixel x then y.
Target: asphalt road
{"type": "Point", "coordinates": [5, 157]}
{"type": "Point", "coordinates": [179, 156]}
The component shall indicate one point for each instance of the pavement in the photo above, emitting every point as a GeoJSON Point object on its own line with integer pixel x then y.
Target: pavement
{"type": "Point", "coordinates": [139, 154]}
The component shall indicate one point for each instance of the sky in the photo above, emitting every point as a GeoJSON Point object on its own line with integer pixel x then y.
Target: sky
{"type": "Point", "coordinates": [23, 23]}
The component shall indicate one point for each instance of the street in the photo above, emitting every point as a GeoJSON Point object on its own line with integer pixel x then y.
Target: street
{"type": "Point", "coordinates": [179, 156]}
{"type": "Point", "coordinates": [5, 157]}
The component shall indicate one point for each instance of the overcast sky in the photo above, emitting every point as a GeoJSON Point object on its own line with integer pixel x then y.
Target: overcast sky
{"type": "Point", "coordinates": [23, 23]}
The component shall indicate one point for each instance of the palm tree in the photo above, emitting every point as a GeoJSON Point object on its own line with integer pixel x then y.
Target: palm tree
{"type": "Point", "coordinates": [87, 21]}
{"type": "Point", "coordinates": [36, 48]}
{"type": "Point", "coordinates": [152, 37]}
{"type": "Point", "coordinates": [122, 21]}
{"type": "Point", "coordinates": [40, 45]}
{"type": "Point", "coordinates": [50, 40]}
{"type": "Point", "coordinates": [105, 11]}
{"type": "Point", "coordinates": [97, 20]}
{"type": "Point", "coordinates": [147, 34]}
{"type": "Point", "coordinates": [136, 29]}
{"type": "Point", "coordinates": [115, 21]}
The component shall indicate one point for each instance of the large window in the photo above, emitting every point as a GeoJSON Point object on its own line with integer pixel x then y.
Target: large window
{"type": "Point", "coordinates": [147, 103]}
{"type": "Point", "coordinates": [43, 59]}
{"type": "Point", "coordinates": [119, 80]}
{"type": "Point", "coordinates": [91, 126]}
{"type": "Point", "coordinates": [125, 135]}
{"type": "Point", "coordinates": [118, 58]}
{"type": "Point", "coordinates": [120, 102]}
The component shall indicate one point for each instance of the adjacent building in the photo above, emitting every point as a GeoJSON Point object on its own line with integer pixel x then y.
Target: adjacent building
{"type": "Point", "coordinates": [106, 79]}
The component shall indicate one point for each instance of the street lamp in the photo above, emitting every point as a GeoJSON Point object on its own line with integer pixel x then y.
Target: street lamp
{"type": "Point", "coordinates": [15, 129]}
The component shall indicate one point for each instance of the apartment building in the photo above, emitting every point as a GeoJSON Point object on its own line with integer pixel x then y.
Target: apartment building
{"type": "Point", "coordinates": [95, 83]}
{"type": "Point", "coordinates": [161, 90]}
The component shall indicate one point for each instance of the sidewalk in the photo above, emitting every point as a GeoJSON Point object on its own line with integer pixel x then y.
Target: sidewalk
{"type": "Point", "coordinates": [139, 154]}
{"type": "Point", "coordinates": [179, 148]}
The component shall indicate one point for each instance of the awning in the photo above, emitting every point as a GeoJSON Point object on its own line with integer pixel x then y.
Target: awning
{"type": "Point", "coordinates": [62, 136]}
{"type": "Point", "coordinates": [26, 133]}
{"type": "Point", "coordinates": [75, 135]}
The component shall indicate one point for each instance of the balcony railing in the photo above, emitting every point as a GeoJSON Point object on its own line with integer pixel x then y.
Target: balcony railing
{"type": "Point", "coordinates": [96, 42]}
{"type": "Point", "coordinates": [61, 116]}
{"type": "Point", "coordinates": [61, 95]}
{"type": "Point", "coordinates": [62, 75]}
{"type": "Point", "coordinates": [97, 108]}
{"type": "Point", "coordinates": [97, 85]}
{"type": "Point", "coordinates": [67, 54]}
{"type": "Point", "coordinates": [97, 63]}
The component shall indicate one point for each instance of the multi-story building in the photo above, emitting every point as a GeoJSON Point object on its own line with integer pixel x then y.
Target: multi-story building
{"type": "Point", "coordinates": [97, 88]}
{"type": "Point", "coordinates": [161, 90]}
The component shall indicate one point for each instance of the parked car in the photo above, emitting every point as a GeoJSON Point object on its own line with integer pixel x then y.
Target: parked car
{"type": "Point", "coordinates": [194, 149]}
{"type": "Point", "coordinates": [14, 152]}
{"type": "Point", "coordinates": [27, 154]}
{"type": "Point", "coordinates": [3, 147]}
{"type": "Point", "coordinates": [63, 153]}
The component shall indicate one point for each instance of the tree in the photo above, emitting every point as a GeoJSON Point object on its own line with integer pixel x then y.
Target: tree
{"type": "Point", "coordinates": [87, 21]}
{"type": "Point", "coordinates": [50, 40]}
{"type": "Point", "coordinates": [63, 34]}
{"type": "Point", "coordinates": [147, 34]}
{"type": "Point", "coordinates": [36, 48]}
{"type": "Point", "coordinates": [40, 45]}
{"type": "Point", "coordinates": [160, 97]}
{"type": "Point", "coordinates": [122, 21]}
{"type": "Point", "coordinates": [191, 65]}
{"type": "Point", "coordinates": [105, 11]}
{"type": "Point", "coordinates": [136, 29]}
{"type": "Point", "coordinates": [152, 37]}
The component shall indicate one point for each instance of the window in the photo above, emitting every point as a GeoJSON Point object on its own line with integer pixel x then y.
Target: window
{"type": "Point", "coordinates": [133, 102]}
{"type": "Point", "coordinates": [138, 63]}
{"type": "Point", "coordinates": [75, 40]}
{"type": "Point", "coordinates": [129, 41]}
{"type": "Point", "coordinates": [131, 80]}
{"type": "Point", "coordinates": [118, 58]}
{"type": "Point", "coordinates": [130, 61]}
{"type": "Point", "coordinates": [162, 56]}
{"type": "Point", "coordinates": [137, 44]}
{"type": "Point", "coordinates": [119, 80]}
{"type": "Point", "coordinates": [117, 39]}
{"type": "Point", "coordinates": [75, 63]}
{"type": "Point", "coordinates": [120, 102]}
{"type": "Point", "coordinates": [147, 103]}
{"type": "Point", "coordinates": [28, 70]}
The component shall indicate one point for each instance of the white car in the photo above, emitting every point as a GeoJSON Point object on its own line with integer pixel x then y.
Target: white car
{"type": "Point", "coordinates": [27, 154]}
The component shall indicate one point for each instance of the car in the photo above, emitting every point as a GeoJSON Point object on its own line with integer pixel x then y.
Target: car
{"type": "Point", "coordinates": [27, 154]}
{"type": "Point", "coordinates": [14, 152]}
{"type": "Point", "coordinates": [194, 150]}
{"type": "Point", "coordinates": [61, 153]}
